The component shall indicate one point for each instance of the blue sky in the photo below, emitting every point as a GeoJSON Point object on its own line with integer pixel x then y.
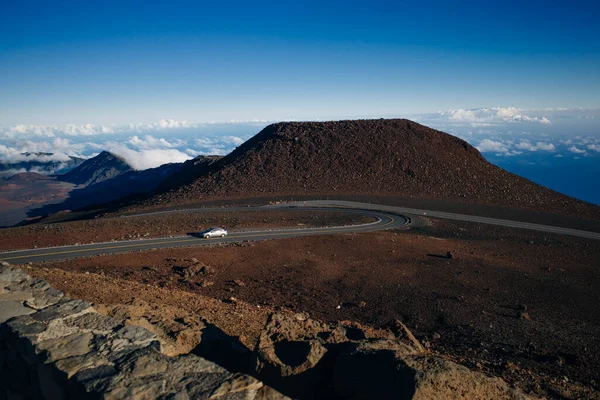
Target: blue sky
{"type": "Point", "coordinates": [120, 62]}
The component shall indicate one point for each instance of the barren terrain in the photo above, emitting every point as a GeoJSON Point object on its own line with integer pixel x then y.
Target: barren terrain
{"type": "Point", "coordinates": [512, 303]}
{"type": "Point", "coordinates": [21, 192]}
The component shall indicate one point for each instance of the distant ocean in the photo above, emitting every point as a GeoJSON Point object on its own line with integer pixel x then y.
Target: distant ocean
{"type": "Point", "coordinates": [578, 178]}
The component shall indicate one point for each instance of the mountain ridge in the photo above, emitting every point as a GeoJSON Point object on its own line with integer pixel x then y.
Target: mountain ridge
{"type": "Point", "coordinates": [384, 157]}
{"type": "Point", "coordinates": [97, 169]}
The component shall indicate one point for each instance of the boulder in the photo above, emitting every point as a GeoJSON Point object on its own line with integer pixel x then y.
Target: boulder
{"type": "Point", "coordinates": [296, 354]}
{"type": "Point", "coordinates": [387, 369]}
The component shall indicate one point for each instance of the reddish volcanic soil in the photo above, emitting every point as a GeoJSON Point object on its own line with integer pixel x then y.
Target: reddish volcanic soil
{"type": "Point", "coordinates": [363, 157]}
{"type": "Point", "coordinates": [513, 303]}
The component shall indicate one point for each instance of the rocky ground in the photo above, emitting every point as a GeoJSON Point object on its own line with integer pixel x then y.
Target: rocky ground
{"type": "Point", "coordinates": [516, 304]}
{"type": "Point", "coordinates": [107, 229]}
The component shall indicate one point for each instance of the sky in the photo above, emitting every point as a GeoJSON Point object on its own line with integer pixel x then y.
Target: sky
{"type": "Point", "coordinates": [165, 81]}
{"type": "Point", "coordinates": [121, 62]}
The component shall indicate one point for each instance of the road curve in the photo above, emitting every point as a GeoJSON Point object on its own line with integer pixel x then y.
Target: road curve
{"type": "Point", "coordinates": [384, 221]}
{"type": "Point", "coordinates": [446, 215]}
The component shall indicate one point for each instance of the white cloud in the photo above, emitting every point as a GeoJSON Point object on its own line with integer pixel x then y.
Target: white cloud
{"type": "Point", "coordinates": [54, 155]}
{"type": "Point", "coordinates": [149, 158]}
{"type": "Point", "coordinates": [509, 148]}
{"type": "Point", "coordinates": [526, 145]}
{"type": "Point", "coordinates": [24, 131]}
{"type": "Point", "coordinates": [218, 145]}
{"type": "Point", "coordinates": [594, 147]}
{"type": "Point", "coordinates": [488, 116]}
{"type": "Point", "coordinates": [491, 146]}
{"type": "Point", "coordinates": [59, 148]}
{"type": "Point", "coordinates": [576, 150]}
{"type": "Point", "coordinates": [150, 142]}
{"type": "Point", "coordinates": [162, 124]}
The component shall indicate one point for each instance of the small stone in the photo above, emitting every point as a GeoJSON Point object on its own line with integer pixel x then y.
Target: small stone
{"type": "Point", "coordinates": [238, 383]}
{"type": "Point", "coordinates": [10, 276]}
{"type": "Point", "coordinates": [206, 270]}
{"type": "Point", "coordinates": [59, 348]}
{"type": "Point", "coordinates": [63, 308]}
{"type": "Point", "coordinates": [301, 317]}
{"type": "Point", "coordinates": [362, 304]}
{"type": "Point", "coordinates": [239, 283]}
{"type": "Point", "coordinates": [435, 336]}
{"type": "Point", "coordinates": [524, 315]}
{"type": "Point", "coordinates": [205, 283]}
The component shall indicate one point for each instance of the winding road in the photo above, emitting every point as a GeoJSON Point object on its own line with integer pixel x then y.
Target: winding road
{"type": "Point", "coordinates": [383, 221]}
{"type": "Point", "coordinates": [387, 217]}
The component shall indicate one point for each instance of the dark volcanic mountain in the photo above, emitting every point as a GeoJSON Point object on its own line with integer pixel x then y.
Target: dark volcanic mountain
{"type": "Point", "coordinates": [100, 168]}
{"type": "Point", "coordinates": [121, 185]}
{"type": "Point", "coordinates": [43, 163]}
{"type": "Point", "coordinates": [366, 157]}
{"type": "Point", "coordinates": [189, 171]}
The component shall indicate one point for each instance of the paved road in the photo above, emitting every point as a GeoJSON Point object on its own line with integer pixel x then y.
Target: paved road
{"type": "Point", "coordinates": [387, 217]}
{"type": "Point", "coordinates": [320, 204]}
{"type": "Point", "coordinates": [446, 215]}
{"type": "Point", "coordinates": [384, 221]}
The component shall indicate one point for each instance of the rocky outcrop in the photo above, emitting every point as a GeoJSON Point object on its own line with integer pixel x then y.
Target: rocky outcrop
{"type": "Point", "coordinates": [54, 347]}
{"type": "Point", "coordinates": [308, 359]}
{"type": "Point", "coordinates": [384, 369]}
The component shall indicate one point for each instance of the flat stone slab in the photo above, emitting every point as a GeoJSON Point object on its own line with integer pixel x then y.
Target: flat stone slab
{"type": "Point", "coordinates": [10, 309]}
{"type": "Point", "coordinates": [77, 351]}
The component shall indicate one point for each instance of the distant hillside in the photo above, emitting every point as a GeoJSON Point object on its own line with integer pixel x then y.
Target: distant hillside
{"type": "Point", "coordinates": [101, 179]}
{"type": "Point", "coordinates": [43, 163]}
{"type": "Point", "coordinates": [364, 157]}
{"type": "Point", "coordinates": [188, 172]}
{"type": "Point", "coordinates": [124, 184]}
{"type": "Point", "coordinates": [25, 177]}
{"type": "Point", "coordinates": [97, 169]}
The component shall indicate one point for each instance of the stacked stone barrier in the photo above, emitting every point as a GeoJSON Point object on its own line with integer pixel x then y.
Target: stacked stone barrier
{"type": "Point", "coordinates": [53, 347]}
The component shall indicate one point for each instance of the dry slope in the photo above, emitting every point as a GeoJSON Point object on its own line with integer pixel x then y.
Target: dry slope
{"type": "Point", "coordinates": [372, 157]}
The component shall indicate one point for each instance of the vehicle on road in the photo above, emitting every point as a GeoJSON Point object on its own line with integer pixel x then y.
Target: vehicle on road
{"type": "Point", "coordinates": [214, 232]}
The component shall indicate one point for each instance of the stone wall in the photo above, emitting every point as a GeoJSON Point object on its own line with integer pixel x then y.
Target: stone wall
{"type": "Point", "coordinates": [53, 347]}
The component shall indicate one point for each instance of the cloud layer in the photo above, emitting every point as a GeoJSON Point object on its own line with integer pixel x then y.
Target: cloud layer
{"type": "Point", "coordinates": [165, 141]}
{"type": "Point", "coordinates": [488, 116]}
{"type": "Point", "coordinates": [499, 131]}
